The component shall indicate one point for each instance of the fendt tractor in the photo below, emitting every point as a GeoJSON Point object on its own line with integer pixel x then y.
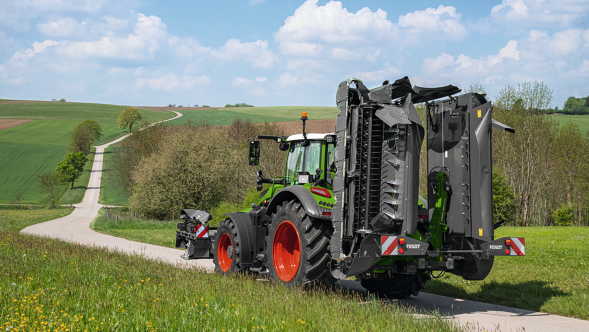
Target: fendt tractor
{"type": "Point", "coordinates": [348, 203]}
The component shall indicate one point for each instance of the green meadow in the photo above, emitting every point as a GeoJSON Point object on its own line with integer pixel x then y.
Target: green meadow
{"type": "Point", "coordinates": [580, 120]}
{"type": "Point", "coordinates": [111, 193]}
{"type": "Point", "coordinates": [36, 147]}
{"type": "Point", "coordinates": [226, 116]}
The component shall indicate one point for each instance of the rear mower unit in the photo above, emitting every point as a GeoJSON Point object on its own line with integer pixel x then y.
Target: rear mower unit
{"type": "Point", "coordinates": [348, 203]}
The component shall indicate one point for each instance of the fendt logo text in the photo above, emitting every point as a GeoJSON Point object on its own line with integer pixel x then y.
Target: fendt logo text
{"type": "Point", "coordinates": [413, 246]}
{"type": "Point", "coordinates": [495, 247]}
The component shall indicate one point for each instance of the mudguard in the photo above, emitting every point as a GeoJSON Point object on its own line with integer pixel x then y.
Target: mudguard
{"type": "Point", "coordinates": [245, 232]}
{"type": "Point", "coordinates": [302, 195]}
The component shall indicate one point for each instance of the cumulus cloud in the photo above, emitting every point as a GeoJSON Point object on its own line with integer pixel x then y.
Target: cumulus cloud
{"type": "Point", "coordinates": [468, 66]}
{"type": "Point", "coordinates": [548, 13]}
{"type": "Point", "coordinates": [261, 79]}
{"type": "Point", "coordinates": [332, 23]}
{"type": "Point", "coordinates": [242, 82]}
{"type": "Point", "coordinates": [287, 79]}
{"type": "Point", "coordinates": [148, 34]}
{"type": "Point", "coordinates": [38, 47]}
{"type": "Point", "coordinates": [116, 23]}
{"type": "Point", "coordinates": [170, 81]}
{"type": "Point", "coordinates": [389, 72]}
{"type": "Point", "coordinates": [256, 53]}
{"type": "Point", "coordinates": [442, 21]}
{"type": "Point", "coordinates": [63, 27]}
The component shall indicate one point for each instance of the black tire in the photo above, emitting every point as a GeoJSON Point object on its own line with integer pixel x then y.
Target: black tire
{"type": "Point", "coordinates": [313, 239]}
{"type": "Point", "coordinates": [398, 286]}
{"type": "Point", "coordinates": [227, 230]}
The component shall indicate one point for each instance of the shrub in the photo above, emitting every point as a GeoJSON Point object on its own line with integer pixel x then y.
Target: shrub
{"type": "Point", "coordinates": [194, 168]}
{"type": "Point", "coordinates": [563, 216]}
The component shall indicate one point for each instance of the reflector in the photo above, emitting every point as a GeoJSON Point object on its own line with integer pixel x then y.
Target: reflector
{"type": "Point", "coordinates": [401, 250]}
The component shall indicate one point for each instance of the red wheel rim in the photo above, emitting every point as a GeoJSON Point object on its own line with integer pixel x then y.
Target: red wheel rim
{"type": "Point", "coordinates": [286, 251]}
{"type": "Point", "coordinates": [222, 256]}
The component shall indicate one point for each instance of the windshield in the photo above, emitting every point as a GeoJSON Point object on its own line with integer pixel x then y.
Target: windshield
{"type": "Point", "coordinates": [302, 159]}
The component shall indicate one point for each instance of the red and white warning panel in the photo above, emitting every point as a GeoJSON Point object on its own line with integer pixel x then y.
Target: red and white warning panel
{"type": "Point", "coordinates": [506, 246]}
{"type": "Point", "coordinates": [201, 231]}
{"type": "Point", "coordinates": [518, 246]}
{"type": "Point", "coordinates": [390, 245]}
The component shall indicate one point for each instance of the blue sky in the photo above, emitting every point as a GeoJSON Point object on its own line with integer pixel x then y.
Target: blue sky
{"type": "Point", "coordinates": [148, 52]}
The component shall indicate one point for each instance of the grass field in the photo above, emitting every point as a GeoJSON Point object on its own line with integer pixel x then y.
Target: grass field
{"type": "Point", "coordinates": [580, 120]}
{"type": "Point", "coordinates": [37, 147]}
{"type": "Point", "coordinates": [47, 284]}
{"type": "Point", "coordinates": [110, 192]}
{"type": "Point", "coordinates": [552, 278]}
{"type": "Point", "coordinates": [15, 220]}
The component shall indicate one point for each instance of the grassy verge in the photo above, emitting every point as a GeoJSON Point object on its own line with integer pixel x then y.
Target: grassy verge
{"type": "Point", "coordinates": [76, 194]}
{"type": "Point", "coordinates": [110, 192]}
{"type": "Point", "coordinates": [553, 277]}
{"type": "Point", "coordinates": [55, 285]}
{"type": "Point", "coordinates": [15, 220]}
{"type": "Point", "coordinates": [161, 233]}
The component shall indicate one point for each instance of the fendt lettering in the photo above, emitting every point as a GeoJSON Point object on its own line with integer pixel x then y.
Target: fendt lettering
{"type": "Point", "coordinates": [348, 203]}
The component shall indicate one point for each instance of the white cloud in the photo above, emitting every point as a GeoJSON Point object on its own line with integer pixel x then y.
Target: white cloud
{"type": "Point", "coordinates": [541, 45]}
{"type": "Point", "coordinates": [63, 27]}
{"type": "Point", "coordinates": [242, 82]}
{"type": "Point", "coordinates": [115, 23]}
{"type": "Point", "coordinates": [372, 57]}
{"type": "Point", "coordinates": [389, 72]}
{"type": "Point", "coordinates": [261, 79]}
{"type": "Point", "coordinates": [170, 81]}
{"type": "Point", "coordinates": [255, 2]}
{"type": "Point", "coordinates": [470, 67]}
{"type": "Point", "coordinates": [257, 53]}
{"type": "Point", "coordinates": [300, 49]}
{"type": "Point", "coordinates": [547, 13]}
{"type": "Point", "coordinates": [288, 79]}
{"type": "Point", "coordinates": [443, 21]}
{"type": "Point", "coordinates": [187, 47]}
{"type": "Point", "coordinates": [148, 34]}
{"type": "Point", "coordinates": [332, 23]}
{"type": "Point", "coordinates": [38, 47]}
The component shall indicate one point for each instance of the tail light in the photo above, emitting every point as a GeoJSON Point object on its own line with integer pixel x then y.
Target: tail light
{"type": "Point", "coordinates": [401, 241]}
{"type": "Point", "coordinates": [320, 192]}
{"type": "Point", "coordinates": [508, 243]}
{"type": "Point", "coordinates": [327, 213]}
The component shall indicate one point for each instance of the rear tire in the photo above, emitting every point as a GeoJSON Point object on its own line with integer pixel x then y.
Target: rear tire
{"type": "Point", "coordinates": [397, 287]}
{"type": "Point", "coordinates": [297, 247]}
{"type": "Point", "coordinates": [227, 254]}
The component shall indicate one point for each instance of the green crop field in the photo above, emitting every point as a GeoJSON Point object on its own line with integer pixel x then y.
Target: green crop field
{"type": "Point", "coordinates": [36, 147]}
{"type": "Point", "coordinates": [225, 116]}
{"type": "Point", "coordinates": [580, 120]}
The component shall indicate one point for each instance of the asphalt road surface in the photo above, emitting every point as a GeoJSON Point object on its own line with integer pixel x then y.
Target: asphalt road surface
{"type": "Point", "coordinates": [486, 317]}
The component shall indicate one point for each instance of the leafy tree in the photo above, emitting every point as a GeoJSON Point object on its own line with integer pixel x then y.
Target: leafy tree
{"type": "Point", "coordinates": [128, 117]}
{"type": "Point", "coordinates": [205, 106]}
{"type": "Point", "coordinates": [476, 87]}
{"type": "Point", "coordinates": [62, 100]}
{"type": "Point", "coordinates": [503, 196]}
{"type": "Point", "coordinates": [196, 105]}
{"type": "Point", "coordinates": [587, 101]}
{"type": "Point", "coordinates": [171, 105]}
{"type": "Point", "coordinates": [563, 216]}
{"type": "Point", "coordinates": [18, 200]}
{"type": "Point", "coordinates": [71, 167]}
{"type": "Point", "coordinates": [83, 135]}
{"type": "Point", "coordinates": [49, 183]}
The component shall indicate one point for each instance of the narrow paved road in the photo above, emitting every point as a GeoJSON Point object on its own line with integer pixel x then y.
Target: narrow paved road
{"type": "Point", "coordinates": [488, 317]}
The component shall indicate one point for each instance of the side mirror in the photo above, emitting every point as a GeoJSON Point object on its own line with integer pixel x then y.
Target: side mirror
{"type": "Point", "coordinates": [254, 158]}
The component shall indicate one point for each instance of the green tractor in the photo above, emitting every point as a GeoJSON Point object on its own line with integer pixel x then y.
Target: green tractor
{"type": "Point", "coordinates": [348, 202]}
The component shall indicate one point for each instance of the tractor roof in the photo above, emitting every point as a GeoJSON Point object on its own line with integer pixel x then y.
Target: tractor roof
{"type": "Point", "coordinates": [312, 137]}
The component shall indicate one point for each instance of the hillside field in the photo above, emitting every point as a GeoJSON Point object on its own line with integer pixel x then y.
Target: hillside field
{"type": "Point", "coordinates": [226, 116]}
{"type": "Point", "coordinates": [36, 147]}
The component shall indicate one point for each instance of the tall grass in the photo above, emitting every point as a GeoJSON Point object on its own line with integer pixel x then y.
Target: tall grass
{"type": "Point", "coordinates": [59, 286]}
{"type": "Point", "coordinates": [15, 220]}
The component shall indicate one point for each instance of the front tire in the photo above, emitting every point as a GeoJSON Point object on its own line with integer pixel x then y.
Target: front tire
{"type": "Point", "coordinates": [297, 247]}
{"type": "Point", "coordinates": [227, 248]}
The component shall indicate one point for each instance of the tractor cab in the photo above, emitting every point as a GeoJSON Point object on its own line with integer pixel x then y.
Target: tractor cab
{"type": "Point", "coordinates": [310, 164]}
